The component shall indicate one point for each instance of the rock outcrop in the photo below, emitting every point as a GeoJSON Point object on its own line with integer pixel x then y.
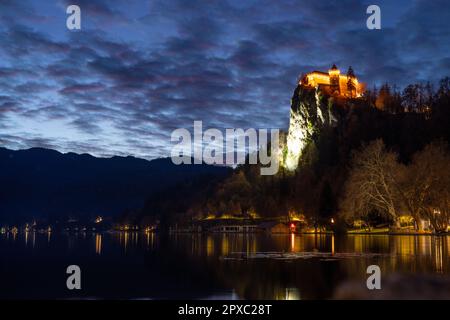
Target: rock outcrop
{"type": "Point", "coordinates": [311, 111]}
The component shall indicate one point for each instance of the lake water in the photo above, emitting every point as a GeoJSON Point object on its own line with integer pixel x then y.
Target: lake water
{"type": "Point", "coordinates": [202, 266]}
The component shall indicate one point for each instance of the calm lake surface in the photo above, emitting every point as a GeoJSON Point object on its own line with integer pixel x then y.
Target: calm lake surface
{"type": "Point", "coordinates": [202, 266]}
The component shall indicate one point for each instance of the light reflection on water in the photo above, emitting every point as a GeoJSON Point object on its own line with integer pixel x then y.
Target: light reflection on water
{"type": "Point", "coordinates": [143, 255]}
{"type": "Point", "coordinates": [98, 243]}
{"type": "Point", "coordinates": [430, 251]}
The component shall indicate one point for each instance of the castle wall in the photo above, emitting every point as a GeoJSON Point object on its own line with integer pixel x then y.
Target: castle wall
{"type": "Point", "coordinates": [316, 78]}
{"type": "Point", "coordinates": [322, 79]}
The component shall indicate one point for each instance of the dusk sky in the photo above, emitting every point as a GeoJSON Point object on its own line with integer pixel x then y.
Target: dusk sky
{"type": "Point", "coordinates": [137, 70]}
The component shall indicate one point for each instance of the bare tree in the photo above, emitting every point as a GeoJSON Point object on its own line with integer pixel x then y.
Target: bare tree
{"type": "Point", "coordinates": [371, 184]}
{"type": "Point", "coordinates": [409, 184]}
{"type": "Point", "coordinates": [430, 185]}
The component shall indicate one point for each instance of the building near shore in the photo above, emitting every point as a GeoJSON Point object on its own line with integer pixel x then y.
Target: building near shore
{"type": "Point", "coordinates": [275, 227]}
{"type": "Point", "coordinates": [235, 228]}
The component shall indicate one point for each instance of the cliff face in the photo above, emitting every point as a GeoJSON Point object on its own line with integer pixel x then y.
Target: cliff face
{"type": "Point", "coordinates": [311, 111]}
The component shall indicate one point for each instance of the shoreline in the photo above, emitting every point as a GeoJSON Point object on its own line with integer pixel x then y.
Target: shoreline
{"type": "Point", "coordinates": [348, 233]}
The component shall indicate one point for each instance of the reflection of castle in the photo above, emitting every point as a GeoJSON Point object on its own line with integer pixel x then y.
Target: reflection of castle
{"type": "Point", "coordinates": [334, 83]}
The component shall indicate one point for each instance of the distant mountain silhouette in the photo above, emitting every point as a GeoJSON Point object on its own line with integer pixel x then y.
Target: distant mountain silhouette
{"type": "Point", "coordinates": [42, 183]}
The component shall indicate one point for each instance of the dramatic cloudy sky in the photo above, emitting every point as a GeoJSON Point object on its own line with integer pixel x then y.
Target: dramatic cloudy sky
{"type": "Point", "coordinates": [139, 69]}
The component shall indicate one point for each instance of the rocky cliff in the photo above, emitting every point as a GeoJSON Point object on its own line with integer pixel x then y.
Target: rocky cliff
{"type": "Point", "coordinates": [311, 111]}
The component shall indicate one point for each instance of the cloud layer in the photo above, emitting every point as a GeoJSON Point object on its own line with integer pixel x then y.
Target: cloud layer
{"type": "Point", "coordinates": [140, 69]}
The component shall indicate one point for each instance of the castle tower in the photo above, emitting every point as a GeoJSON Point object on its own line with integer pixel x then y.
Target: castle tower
{"type": "Point", "coordinates": [334, 74]}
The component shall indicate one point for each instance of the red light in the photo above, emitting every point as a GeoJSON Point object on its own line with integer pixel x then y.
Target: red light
{"type": "Point", "coordinates": [292, 226]}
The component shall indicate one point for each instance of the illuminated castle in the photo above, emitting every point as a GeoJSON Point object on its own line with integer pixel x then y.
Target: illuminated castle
{"type": "Point", "coordinates": [312, 109]}
{"type": "Point", "coordinates": [334, 83]}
